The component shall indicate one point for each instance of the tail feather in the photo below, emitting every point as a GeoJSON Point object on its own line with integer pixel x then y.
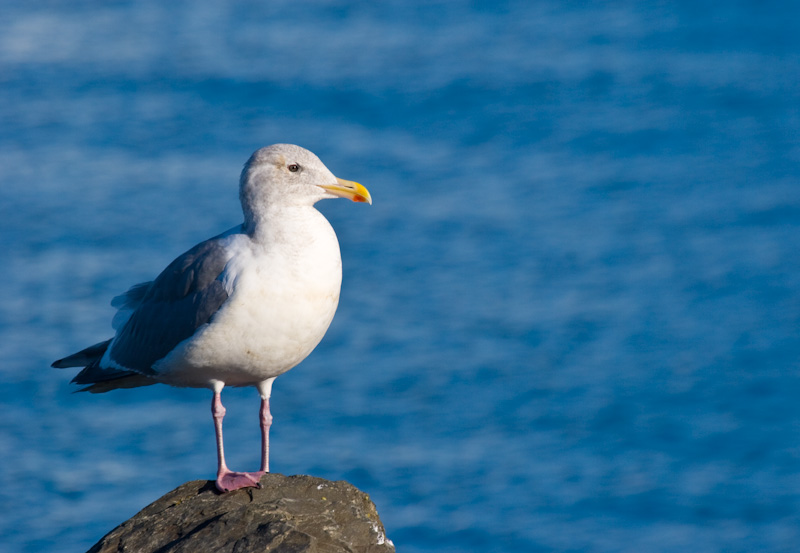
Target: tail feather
{"type": "Point", "coordinates": [83, 357]}
{"type": "Point", "coordinates": [100, 380]}
{"type": "Point", "coordinates": [132, 380]}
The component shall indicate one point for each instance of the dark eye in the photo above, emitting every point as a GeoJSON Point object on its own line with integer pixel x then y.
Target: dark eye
{"type": "Point", "coordinates": [294, 168]}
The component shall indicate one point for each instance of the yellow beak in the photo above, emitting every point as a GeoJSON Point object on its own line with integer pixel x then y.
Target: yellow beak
{"type": "Point", "coordinates": [349, 189]}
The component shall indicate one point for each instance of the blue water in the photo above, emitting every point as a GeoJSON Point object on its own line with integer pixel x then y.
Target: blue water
{"type": "Point", "coordinates": [569, 322]}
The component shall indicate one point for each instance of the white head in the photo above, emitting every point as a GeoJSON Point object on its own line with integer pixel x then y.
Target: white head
{"type": "Point", "coordinates": [285, 175]}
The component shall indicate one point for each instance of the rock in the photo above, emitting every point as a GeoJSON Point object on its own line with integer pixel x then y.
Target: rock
{"type": "Point", "coordinates": [288, 513]}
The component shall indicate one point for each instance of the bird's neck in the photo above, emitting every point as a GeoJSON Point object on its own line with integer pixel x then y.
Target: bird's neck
{"type": "Point", "coordinates": [283, 224]}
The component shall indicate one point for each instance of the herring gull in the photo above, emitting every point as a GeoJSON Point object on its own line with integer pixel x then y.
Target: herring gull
{"type": "Point", "coordinates": [240, 308]}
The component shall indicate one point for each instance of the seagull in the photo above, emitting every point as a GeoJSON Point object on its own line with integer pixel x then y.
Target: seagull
{"type": "Point", "coordinates": [238, 309]}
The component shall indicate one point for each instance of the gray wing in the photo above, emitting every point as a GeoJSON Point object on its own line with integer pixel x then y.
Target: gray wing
{"type": "Point", "coordinates": [128, 302]}
{"type": "Point", "coordinates": [171, 308]}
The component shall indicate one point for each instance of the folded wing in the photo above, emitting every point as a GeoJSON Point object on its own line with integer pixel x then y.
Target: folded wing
{"type": "Point", "coordinates": [153, 318]}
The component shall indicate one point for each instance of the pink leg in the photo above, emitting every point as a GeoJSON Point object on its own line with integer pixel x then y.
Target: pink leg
{"type": "Point", "coordinates": [265, 390]}
{"type": "Point", "coordinates": [228, 480]}
{"type": "Point", "coordinates": [266, 422]}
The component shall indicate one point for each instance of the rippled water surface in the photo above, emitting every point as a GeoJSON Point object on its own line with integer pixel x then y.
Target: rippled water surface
{"type": "Point", "coordinates": [569, 322]}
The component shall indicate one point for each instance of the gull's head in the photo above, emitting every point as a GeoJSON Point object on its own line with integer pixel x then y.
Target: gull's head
{"type": "Point", "coordinates": [288, 175]}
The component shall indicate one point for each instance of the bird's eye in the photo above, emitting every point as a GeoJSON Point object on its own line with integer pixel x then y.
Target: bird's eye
{"type": "Point", "coordinates": [294, 168]}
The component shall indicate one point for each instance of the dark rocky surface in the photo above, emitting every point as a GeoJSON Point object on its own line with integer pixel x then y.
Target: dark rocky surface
{"type": "Point", "coordinates": [289, 513]}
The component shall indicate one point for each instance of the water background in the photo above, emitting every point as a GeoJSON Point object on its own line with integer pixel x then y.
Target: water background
{"type": "Point", "coordinates": [569, 322]}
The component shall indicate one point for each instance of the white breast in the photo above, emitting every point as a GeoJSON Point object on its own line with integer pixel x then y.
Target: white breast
{"type": "Point", "coordinates": [283, 292]}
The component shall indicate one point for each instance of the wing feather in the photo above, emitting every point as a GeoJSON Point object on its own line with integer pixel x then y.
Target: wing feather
{"type": "Point", "coordinates": [170, 309]}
